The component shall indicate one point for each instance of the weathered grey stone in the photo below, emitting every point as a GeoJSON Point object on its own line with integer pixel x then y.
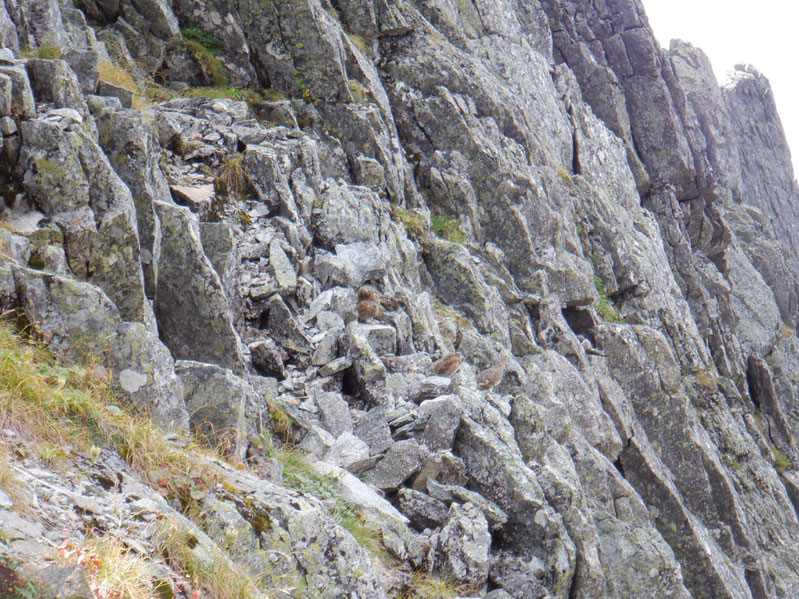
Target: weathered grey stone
{"type": "Point", "coordinates": [78, 319]}
{"type": "Point", "coordinates": [71, 180]}
{"type": "Point", "coordinates": [373, 428]}
{"type": "Point", "coordinates": [334, 412]}
{"type": "Point", "coordinates": [218, 402]}
{"type": "Point", "coordinates": [347, 451]}
{"type": "Point", "coordinates": [465, 543]}
{"type": "Point", "coordinates": [267, 358]}
{"type": "Point", "coordinates": [443, 418]}
{"type": "Point", "coordinates": [382, 338]}
{"type": "Point", "coordinates": [63, 582]}
{"type": "Point", "coordinates": [129, 142]}
{"type": "Point", "coordinates": [402, 460]}
{"type": "Point", "coordinates": [422, 510]}
{"type": "Point", "coordinates": [193, 314]}
{"type": "Point", "coordinates": [284, 329]}
{"type": "Point", "coordinates": [17, 92]}
{"type": "Point", "coordinates": [280, 266]}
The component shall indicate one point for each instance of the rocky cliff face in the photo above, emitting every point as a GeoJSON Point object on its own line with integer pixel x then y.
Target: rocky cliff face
{"type": "Point", "coordinates": [528, 182]}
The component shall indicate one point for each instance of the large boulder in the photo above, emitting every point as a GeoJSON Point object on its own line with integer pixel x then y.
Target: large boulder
{"type": "Point", "coordinates": [79, 320]}
{"type": "Point", "coordinates": [194, 317]}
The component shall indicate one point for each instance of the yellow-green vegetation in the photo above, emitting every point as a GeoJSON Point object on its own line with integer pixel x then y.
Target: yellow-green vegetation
{"type": "Point", "coordinates": [360, 93]}
{"type": "Point", "coordinates": [298, 473]}
{"type": "Point", "coordinates": [360, 43]}
{"type": "Point", "coordinates": [46, 50]}
{"type": "Point", "coordinates": [447, 227]}
{"type": "Point", "coordinates": [225, 92]}
{"type": "Point", "coordinates": [424, 586]}
{"type": "Point", "coordinates": [194, 33]}
{"type": "Point", "coordinates": [782, 463]}
{"type": "Point", "coordinates": [306, 93]}
{"type": "Point", "coordinates": [10, 483]}
{"type": "Point", "coordinates": [218, 578]}
{"type": "Point", "coordinates": [273, 95]}
{"type": "Point", "coordinates": [145, 91]}
{"type": "Point", "coordinates": [564, 176]}
{"type": "Point", "coordinates": [416, 224]}
{"type": "Point", "coordinates": [232, 177]}
{"type": "Point", "coordinates": [605, 306]}
{"type": "Point", "coordinates": [114, 571]}
{"type": "Point", "coordinates": [204, 47]}
{"type": "Point", "coordinates": [54, 406]}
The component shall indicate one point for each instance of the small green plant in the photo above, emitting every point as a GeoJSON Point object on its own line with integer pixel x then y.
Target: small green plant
{"type": "Point", "coordinates": [605, 306]}
{"type": "Point", "coordinates": [194, 33]}
{"type": "Point", "coordinates": [49, 51]}
{"type": "Point", "coordinates": [304, 91]}
{"type": "Point", "coordinates": [416, 224]}
{"type": "Point", "coordinates": [782, 463]}
{"type": "Point", "coordinates": [359, 92]}
{"type": "Point", "coordinates": [447, 227]}
{"type": "Point", "coordinates": [564, 176]}
{"type": "Point", "coordinates": [213, 70]}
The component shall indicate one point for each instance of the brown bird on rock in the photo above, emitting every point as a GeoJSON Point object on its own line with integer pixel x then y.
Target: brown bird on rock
{"type": "Point", "coordinates": [447, 365]}
{"type": "Point", "coordinates": [490, 377]}
{"type": "Point", "coordinates": [367, 310]}
{"type": "Point", "coordinates": [367, 292]}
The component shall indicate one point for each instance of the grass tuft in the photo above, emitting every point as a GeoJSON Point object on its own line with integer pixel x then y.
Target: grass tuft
{"type": "Point", "coordinates": [416, 224]}
{"type": "Point", "coordinates": [216, 577]}
{"type": "Point", "coordinates": [605, 306]}
{"type": "Point", "coordinates": [57, 406]}
{"type": "Point", "coordinates": [232, 177]}
{"type": "Point", "coordinates": [424, 586]}
{"type": "Point", "coordinates": [447, 227]}
{"type": "Point", "coordinates": [114, 571]}
{"type": "Point", "coordinates": [195, 34]}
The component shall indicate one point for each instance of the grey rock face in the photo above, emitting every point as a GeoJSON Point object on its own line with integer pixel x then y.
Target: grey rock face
{"type": "Point", "coordinates": [465, 542]}
{"type": "Point", "coordinates": [129, 143]}
{"type": "Point", "coordinates": [190, 304]}
{"type": "Point", "coordinates": [71, 180]}
{"type": "Point", "coordinates": [535, 180]}
{"type": "Point", "coordinates": [218, 403]}
{"type": "Point", "coordinates": [80, 319]}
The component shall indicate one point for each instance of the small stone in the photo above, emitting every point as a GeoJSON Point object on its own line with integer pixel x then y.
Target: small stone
{"type": "Point", "coordinates": [335, 413]}
{"type": "Point", "coordinates": [198, 199]}
{"type": "Point", "coordinates": [267, 358]}
{"type": "Point", "coordinates": [280, 266]}
{"type": "Point", "coordinates": [465, 543]}
{"type": "Point", "coordinates": [422, 510]}
{"type": "Point", "coordinates": [373, 428]}
{"type": "Point", "coordinates": [8, 126]}
{"type": "Point", "coordinates": [346, 451]}
{"type": "Point", "coordinates": [338, 365]}
{"type": "Point", "coordinates": [402, 461]}
{"type": "Point", "coordinates": [123, 95]}
{"type": "Point", "coordinates": [444, 418]}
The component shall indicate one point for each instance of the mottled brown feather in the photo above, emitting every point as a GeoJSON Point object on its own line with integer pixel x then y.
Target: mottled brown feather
{"type": "Point", "coordinates": [447, 365]}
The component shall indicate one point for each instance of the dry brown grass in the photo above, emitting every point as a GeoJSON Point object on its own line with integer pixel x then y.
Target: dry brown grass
{"type": "Point", "coordinates": [54, 406]}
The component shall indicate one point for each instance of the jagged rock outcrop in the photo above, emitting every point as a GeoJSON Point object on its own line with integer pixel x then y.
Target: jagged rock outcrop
{"type": "Point", "coordinates": [531, 183]}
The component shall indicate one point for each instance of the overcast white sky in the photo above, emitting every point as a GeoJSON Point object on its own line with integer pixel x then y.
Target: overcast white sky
{"type": "Point", "coordinates": [763, 33]}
